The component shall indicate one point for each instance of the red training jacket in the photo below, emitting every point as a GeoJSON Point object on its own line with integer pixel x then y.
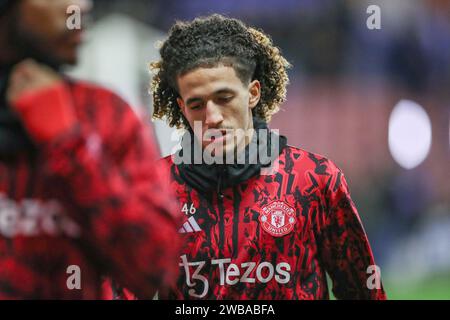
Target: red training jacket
{"type": "Point", "coordinates": [275, 236]}
{"type": "Point", "coordinates": [90, 204]}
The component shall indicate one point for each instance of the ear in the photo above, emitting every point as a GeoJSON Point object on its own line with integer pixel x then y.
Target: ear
{"type": "Point", "coordinates": [181, 105]}
{"type": "Point", "coordinates": [254, 90]}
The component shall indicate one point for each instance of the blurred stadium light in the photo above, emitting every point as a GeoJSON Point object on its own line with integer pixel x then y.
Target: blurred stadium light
{"type": "Point", "coordinates": [409, 134]}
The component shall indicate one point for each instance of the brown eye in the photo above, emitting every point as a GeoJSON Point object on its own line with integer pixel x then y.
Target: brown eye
{"type": "Point", "coordinates": [195, 107]}
{"type": "Point", "coordinates": [225, 99]}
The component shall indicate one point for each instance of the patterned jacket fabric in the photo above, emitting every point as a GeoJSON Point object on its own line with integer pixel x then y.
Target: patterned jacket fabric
{"type": "Point", "coordinates": [274, 236]}
{"type": "Point", "coordinates": [94, 200]}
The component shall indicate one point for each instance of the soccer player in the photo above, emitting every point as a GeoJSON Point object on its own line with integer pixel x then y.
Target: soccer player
{"type": "Point", "coordinates": [254, 229]}
{"type": "Point", "coordinates": [81, 193]}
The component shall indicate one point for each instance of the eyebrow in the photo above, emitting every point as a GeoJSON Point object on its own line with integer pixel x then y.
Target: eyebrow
{"type": "Point", "coordinates": [193, 100]}
{"type": "Point", "coordinates": [219, 91]}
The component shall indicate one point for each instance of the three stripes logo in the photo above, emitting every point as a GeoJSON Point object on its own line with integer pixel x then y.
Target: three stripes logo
{"type": "Point", "coordinates": [190, 226]}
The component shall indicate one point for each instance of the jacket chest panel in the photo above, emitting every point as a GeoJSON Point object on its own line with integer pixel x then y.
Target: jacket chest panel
{"type": "Point", "coordinates": [253, 221]}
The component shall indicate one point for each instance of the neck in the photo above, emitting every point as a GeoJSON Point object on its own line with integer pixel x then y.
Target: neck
{"type": "Point", "coordinates": [240, 148]}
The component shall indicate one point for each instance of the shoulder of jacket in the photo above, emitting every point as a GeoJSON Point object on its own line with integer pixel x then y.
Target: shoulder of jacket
{"type": "Point", "coordinates": [307, 158]}
{"type": "Point", "coordinates": [167, 159]}
{"type": "Point", "coordinates": [98, 91]}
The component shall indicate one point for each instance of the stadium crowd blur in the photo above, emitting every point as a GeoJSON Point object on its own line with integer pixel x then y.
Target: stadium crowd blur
{"type": "Point", "coordinates": [345, 82]}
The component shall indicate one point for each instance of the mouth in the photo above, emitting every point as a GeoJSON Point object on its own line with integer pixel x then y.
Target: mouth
{"type": "Point", "coordinates": [217, 136]}
{"type": "Point", "coordinates": [73, 38]}
{"type": "Point", "coordinates": [76, 36]}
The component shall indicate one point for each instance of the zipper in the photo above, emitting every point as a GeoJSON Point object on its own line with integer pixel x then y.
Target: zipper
{"type": "Point", "coordinates": [221, 210]}
{"type": "Point", "coordinates": [220, 182]}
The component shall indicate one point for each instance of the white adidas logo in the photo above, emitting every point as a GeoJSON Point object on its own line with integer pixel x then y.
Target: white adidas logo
{"type": "Point", "coordinates": [190, 226]}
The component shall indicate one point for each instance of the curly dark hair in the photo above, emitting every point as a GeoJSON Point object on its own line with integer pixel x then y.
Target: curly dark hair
{"type": "Point", "coordinates": [208, 42]}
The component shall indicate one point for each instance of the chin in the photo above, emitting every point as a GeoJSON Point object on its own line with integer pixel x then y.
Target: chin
{"type": "Point", "coordinates": [69, 59]}
{"type": "Point", "coordinates": [72, 61]}
{"type": "Point", "coordinates": [68, 55]}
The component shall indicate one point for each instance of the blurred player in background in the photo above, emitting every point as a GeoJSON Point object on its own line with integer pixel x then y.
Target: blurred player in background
{"type": "Point", "coordinates": [258, 230]}
{"type": "Point", "coordinates": [77, 190]}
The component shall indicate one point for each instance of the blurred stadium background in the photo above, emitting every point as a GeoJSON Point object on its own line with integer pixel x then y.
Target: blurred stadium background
{"type": "Point", "coordinates": [377, 102]}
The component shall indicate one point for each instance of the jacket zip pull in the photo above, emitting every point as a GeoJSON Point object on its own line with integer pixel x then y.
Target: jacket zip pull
{"type": "Point", "coordinates": [219, 184]}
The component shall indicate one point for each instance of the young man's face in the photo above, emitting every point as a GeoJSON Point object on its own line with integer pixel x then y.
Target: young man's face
{"type": "Point", "coordinates": [41, 28]}
{"type": "Point", "coordinates": [218, 99]}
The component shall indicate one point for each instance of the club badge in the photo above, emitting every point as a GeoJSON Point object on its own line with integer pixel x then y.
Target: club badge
{"type": "Point", "coordinates": [277, 218]}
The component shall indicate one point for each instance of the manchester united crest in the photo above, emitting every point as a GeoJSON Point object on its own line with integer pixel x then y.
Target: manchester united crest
{"type": "Point", "coordinates": [277, 218]}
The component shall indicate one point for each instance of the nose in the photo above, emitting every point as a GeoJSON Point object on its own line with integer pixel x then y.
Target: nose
{"type": "Point", "coordinates": [213, 115]}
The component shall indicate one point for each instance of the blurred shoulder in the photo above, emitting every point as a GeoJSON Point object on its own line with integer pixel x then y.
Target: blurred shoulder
{"type": "Point", "coordinates": [167, 160]}
{"type": "Point", "coordinates": [89, 93]}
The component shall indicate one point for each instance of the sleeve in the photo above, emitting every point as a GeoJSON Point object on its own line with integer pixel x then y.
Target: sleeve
{"type": "Point", "coordinates": [118, 195]}
{"type": "Point", "coordinates": [345, 250]}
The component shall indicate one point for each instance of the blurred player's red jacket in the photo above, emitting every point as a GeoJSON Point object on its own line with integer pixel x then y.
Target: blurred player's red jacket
{"type": "Point", "coordinates": [93, 201]}
{"type": "Point", "coordinates": [274, 235]}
